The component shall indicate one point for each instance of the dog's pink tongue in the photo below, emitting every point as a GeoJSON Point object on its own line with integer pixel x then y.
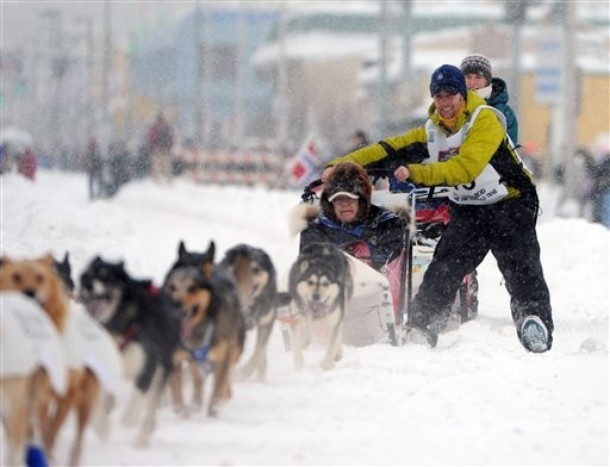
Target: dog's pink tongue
{"type": "Point", "coordinates": [186, 329]}
{"type": "Point", "coordinates": [318, 309]}
{"type": "Point", "coordinates": [96, 308]}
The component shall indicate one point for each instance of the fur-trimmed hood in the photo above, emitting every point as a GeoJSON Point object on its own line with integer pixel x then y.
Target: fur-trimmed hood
{"type": "Point", "coordinates": [302, 214]}
{"type": "Point", "coordinates": [351, 178]}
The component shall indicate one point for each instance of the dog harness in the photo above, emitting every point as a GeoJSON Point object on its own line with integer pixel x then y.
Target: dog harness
{"type": "Point", "coordinates": [126, 338]}
{"type": "Point", "coordinates": [200, 354]}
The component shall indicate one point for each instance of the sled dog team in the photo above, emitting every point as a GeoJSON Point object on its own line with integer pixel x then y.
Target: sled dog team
{"type": "Point", "coordinates": [64, 350]}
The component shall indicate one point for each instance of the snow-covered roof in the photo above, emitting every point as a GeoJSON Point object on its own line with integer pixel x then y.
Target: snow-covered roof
{"type": "Point", "coordinates": [315, 38]}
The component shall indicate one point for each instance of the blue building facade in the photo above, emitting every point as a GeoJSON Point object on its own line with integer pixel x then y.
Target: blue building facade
{"type": "Point", "coordinates": [199, 66]}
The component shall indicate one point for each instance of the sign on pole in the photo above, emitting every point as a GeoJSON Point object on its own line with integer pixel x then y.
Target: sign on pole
{"type": "Point", "coordinates": [549, 65]}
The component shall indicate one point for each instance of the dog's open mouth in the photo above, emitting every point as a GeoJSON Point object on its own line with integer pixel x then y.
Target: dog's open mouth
{"type": "Point", "coordinates": [98, 304]}
{"type": "Point", "coordinates": [318, 309]}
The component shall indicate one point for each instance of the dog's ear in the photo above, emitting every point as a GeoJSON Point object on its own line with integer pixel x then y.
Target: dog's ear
{"type": "Point", "coordinates": [48, 260]}
{"type": "Point", "coordinates": [303, 266]}
{"type": "Point", "coordinates": [211, 251]}
{"type": "Point", "coordinates": [182, 250]}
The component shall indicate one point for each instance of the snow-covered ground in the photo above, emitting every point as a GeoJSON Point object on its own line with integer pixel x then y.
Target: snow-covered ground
{"type": "Point", "coordinates": [478, 398]}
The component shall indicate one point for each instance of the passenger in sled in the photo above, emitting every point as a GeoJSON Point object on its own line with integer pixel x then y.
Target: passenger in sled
{"type": "Point", "coordinates": [346, 218]}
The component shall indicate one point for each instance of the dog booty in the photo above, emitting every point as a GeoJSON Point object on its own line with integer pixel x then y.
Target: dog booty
{"type": "Point", "coordinates": [35, 457]}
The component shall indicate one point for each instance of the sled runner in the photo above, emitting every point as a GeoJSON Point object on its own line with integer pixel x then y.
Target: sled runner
{"type": "Point", "coordinates": [430, 215]}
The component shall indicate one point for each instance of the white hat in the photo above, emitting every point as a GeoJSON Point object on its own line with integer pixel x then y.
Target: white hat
{"type": "Point", "coordinates": [334, 196]}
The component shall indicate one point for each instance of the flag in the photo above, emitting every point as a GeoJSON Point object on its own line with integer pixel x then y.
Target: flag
{"type": "Point", "coordinates": [305, 166]}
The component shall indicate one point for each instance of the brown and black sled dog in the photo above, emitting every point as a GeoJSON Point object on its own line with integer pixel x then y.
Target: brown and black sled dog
{"type": "Point", "coordinates": [188, 265]}
{"type": "Point", "coordinates": [213, 331]}
{"type": "Point", "coordinates": [253, 274]}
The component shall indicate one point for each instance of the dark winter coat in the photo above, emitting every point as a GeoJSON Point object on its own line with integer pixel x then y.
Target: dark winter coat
{"type": "Point", "coordinates": [381, 232]}
{"type": "Point", "coordinates": [160, 136]}
{"type": "Point", "coordinates": [93, 158]}
{"type": "Point", "coordinates": [28, 164]}
{"type": "Point", "coordinates": [499, 100]}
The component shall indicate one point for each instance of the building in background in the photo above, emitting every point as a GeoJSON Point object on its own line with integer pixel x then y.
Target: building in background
{"type": "Point", "coordinates": [232, 74]}
{"type": "Point", "coordinates": [197, 70]}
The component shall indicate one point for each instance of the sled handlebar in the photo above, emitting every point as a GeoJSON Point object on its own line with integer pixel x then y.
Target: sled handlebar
{"type": "Point", "coordinates": [308, 192]}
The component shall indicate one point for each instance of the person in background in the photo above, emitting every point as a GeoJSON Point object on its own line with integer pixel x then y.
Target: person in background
{"type": "Point", "coordinates": [494, 207]}
{"type": "Point", "coordinates": [160, 143]}
{"type": "Point", "coordinates": [601, 191]}
{"type": "Point", "coordinates": [94, 166]}
{"type": "Point", "coordinates": [478, 74]}
{"type": "Point", "coordinates": [28, 164]}
{"type": "Point", "coordinates": [358, 140]}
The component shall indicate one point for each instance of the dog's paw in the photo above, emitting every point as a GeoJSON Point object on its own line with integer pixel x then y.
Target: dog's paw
{"type": "Point", "coordinates": [213, 410]}
{"type": "Point", "coordinates": [299, 361]}
{"type": "Point", "coordinates": [141, 442]}
{"type": "Point", "coordinates": [242, 374]}
{"type": "Point", "coordinates": [196, 405]}
{"type": "Point", "coordinates": [326, 365]}
{"type": "Point", "coordinates": [131, 417]}
{"type": "Point", "coordinates": [100, 424]}
{"type": "Point", "coordinates": [181, 410]}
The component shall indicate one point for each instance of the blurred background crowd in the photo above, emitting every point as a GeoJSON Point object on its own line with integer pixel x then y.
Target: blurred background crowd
{"type": "Point", "coordinates": [265, 92]}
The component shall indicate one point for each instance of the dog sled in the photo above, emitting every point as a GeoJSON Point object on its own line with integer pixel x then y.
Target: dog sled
{"type": "Point", "coordinates": [371, 314]}
{"type": "Point", "coordinates": [429, 207]}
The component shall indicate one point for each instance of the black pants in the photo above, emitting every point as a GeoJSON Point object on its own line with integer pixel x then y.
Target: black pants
{"type": "Point", "coordinates": [508, 230]}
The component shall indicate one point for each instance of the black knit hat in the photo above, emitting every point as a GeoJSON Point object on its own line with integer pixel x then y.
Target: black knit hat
{"type": "Point", "coordinates": [477, 64]}
{"type": "Point", "coordinates": [448, 78]}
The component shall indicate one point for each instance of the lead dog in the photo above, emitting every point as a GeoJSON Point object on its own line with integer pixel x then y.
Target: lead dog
{"type": "Point", "coordinates": [37, 280]}
{"type": "Point", "coordinates": [320, 286]}
{"type": "Point", "coordinates": [32, 371]}
{"type": "Point", "coordinates": [145, 325]}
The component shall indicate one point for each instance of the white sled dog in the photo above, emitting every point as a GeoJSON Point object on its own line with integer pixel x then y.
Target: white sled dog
{"type": "Point", "coordinates": [320, 286]}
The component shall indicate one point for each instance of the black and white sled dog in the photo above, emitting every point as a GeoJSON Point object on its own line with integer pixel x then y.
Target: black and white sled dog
{"type": "Point", "coordinates": [253, 274]}
{"type": "Point", "coordinates": [320, 286]}
{"type": "Point", "coordinates": [147, 329]}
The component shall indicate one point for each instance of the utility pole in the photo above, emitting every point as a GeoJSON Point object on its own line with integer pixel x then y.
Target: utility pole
{"type": "Point", "coordinates": [382, 93]}
{"type": "Point", "coordinates": [239, 73]}
{"type": "Point", "coordinates": [206, 80]}
{"type": "Point", "coordinates": [198, 76]}
{"type": "Point", "coordinates": [407, 58]}
{"type": "Point", "coordinates": [89, 60]}
{"type": "Point", "coordinates": [57, 67]}
{"type": "Point", "coordinates": [107, 66]}
{"type": "Point", "coordinates": [516, 13]}
{"type": "Point", "coordinates": [568, 102]}
{"type": "Point", "coordinates": [281, 103]}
